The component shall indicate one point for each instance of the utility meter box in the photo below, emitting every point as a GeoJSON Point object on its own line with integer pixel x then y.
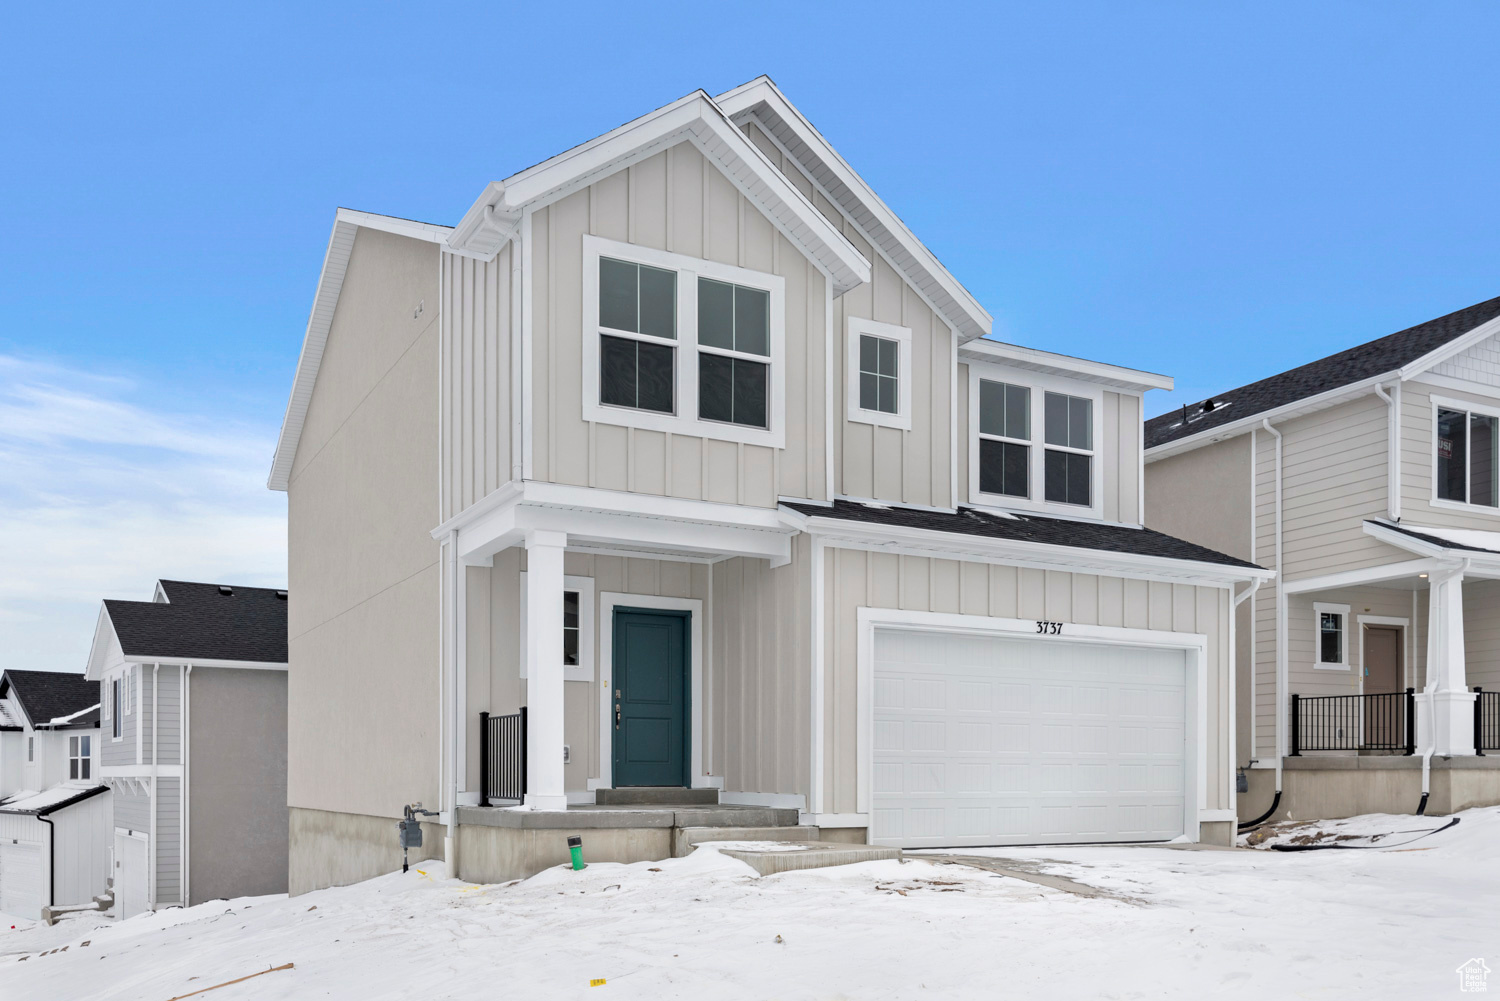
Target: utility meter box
{"type": "Point", "coordinates": [411, 833]}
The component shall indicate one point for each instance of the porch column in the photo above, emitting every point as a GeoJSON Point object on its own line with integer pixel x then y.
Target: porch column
{"type": "Point", "coordinates": [1445, 706]}
{"type": "Point", "coordinates": [544, 670]}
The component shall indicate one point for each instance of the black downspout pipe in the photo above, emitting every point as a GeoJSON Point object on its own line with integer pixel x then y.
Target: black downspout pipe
{"type": "Point", "coordinates": [484, 759]}
{"type": "Point", "coordinates": [51, 861]}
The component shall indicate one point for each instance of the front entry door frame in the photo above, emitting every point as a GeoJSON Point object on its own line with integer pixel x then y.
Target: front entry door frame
{"type": "Point", "coordinates": [1400, 623]}
{"type": "Point", "coordinates": [605, 652]}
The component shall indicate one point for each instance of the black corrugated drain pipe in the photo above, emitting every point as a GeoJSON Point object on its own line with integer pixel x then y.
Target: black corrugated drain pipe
{"type": "Point", "coordinates": [1249, 824]}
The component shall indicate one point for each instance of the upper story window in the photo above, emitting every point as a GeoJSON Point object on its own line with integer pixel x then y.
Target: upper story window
{"type": "Point", "coordinates": [674, 343]}
{"type": "Point", "coordinates": [1070, 449]}
{"type": "Point", "coordinates": [30, 749]}
{"type": "Point", "coordinates": [878, 363]}
{"type": "Point", "coordinates": [1331, 639]}
{"type": "Point", "coordinates": [78, 757]}
{"type": "Point", "coordinates": [1466, 456]}
{"type": "Point", "coordinates": [115, 709]}
{"type": "Point", "coordinates": [1034, 441]}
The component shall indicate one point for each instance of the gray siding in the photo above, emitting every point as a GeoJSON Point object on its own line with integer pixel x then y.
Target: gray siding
{"type": "Point", "coordinates": [132, 809]}
{"type": "Point", "coordinates": [168, 841]}
{"type": "Point", "coordinates": [237, 768]}
{"type": "Point", "coordinates": [1417, 447]}
{"type": "Point", "coordinates": [122, 751]}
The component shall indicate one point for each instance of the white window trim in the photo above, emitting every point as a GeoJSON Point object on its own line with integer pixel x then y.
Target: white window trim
{"type": "Point", "coordinates": [85, 760]}
{"type": "Point", "coordinates": [1039, 385]}
{"type": "Point", "coordinates": [117, 706]}
{"type": "Point", "coordinates": [584, 670]}
{"type": "Point", "coordinates": [685, 388]}
{"type": "Point", "coordinates": [901, 419]}
{"type": "Point", "coordinates": [1319, 608]}
{"type": "Point", "coordinates": [1452, 403]}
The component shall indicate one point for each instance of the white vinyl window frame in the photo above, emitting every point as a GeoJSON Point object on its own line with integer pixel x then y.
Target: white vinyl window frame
{"type": "Point", "coordinates": [684, 420]}
{"type": "Point", "coordinates": [116, 709]}
{"type": "Point", "coordinates": [859, 327]}
{"type": "Point", "coordinates": [584, 669]}
{"type": "Point", "coordinates": [1469, 409]}
{"type": "Point", "coordinates": [1040, 385]}
{"type": "Point", "coordinates": [80, 757]}
{"type": "Point", "coordinates": [1321, 608]}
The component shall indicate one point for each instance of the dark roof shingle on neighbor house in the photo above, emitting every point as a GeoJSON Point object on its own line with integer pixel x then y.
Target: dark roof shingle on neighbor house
{"type": "Point", "coordinates": [203, 622]}
{"type": "Point", "coordinates": [1384, 354]}
{"type": "Point", "coordinates": [1027, 528]}
{"type": "Point", "coordinates": [50, 695]}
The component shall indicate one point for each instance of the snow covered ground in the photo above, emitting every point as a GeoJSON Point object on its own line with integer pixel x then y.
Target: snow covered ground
{"type": "Point", "coordinates": [1391, 922]}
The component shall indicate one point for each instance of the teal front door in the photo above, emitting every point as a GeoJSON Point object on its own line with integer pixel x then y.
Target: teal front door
{"type": "Point", "coordinates": [650, 697]}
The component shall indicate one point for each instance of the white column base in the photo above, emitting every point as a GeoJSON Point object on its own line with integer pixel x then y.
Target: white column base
{"type": "Point", "coordinates": [1445, 722]}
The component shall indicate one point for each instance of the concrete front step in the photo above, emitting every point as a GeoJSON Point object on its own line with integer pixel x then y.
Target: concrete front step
{"type": "Point", "coordinates": [685, 839]}
{"type": "Point", "coordinates": [770, 858]}
{"type": "Point", "coordinates": [656, 796]}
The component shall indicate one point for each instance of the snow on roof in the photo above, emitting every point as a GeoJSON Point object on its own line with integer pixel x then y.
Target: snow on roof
{"type": "Point", "coordinates": [45, 802]}
{"type": "Point", "coordinates": [60, 720]}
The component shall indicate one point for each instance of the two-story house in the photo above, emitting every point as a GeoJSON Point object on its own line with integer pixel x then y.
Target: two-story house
{"type": "Point", "coordinates": [1368, 480]}
{"type": "Point", "coordinates": [192, 686]}
{"type": "Point", "coordinates": [681, 441]}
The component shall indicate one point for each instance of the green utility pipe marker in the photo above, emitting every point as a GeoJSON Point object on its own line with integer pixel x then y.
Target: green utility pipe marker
{"type": "Point", "coordinates": [575, 846]}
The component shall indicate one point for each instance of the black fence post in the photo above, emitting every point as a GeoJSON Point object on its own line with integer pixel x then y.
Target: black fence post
{"type": "Point", "coordinates": [1411, 721]}
{"type": "Point", "coordinates": [1296, 725]}
{"type": "Point", "coordinates": [523, 754]}
{"type": "Point", "coordinates": [484, 759]}
{"type": "Point", "coordinates": [1479, 721]}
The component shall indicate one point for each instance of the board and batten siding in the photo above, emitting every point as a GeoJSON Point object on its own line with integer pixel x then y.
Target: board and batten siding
{"type": "Point", "coordinates": [476, 377]}
{"type": "Point", "coordinates": [915, 583]}
{"type": "Point", "coordinates": [886, 464]}
{"type": "Point", "coordinates": [494, 683]}
{"type": "Point", "coordinates": [759, 678]}
{"type": "Point", "coordinates": [678, 202]}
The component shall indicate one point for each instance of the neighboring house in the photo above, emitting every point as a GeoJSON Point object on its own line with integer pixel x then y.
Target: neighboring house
{"type": "Point", "coordinates": [685, 443]}
{"type": "Point", "coordinates": [54, 837]}
{"type": "Point", "coordinates": [193, 743]}
{"type": "Point", "coordinates": [1368, 479]}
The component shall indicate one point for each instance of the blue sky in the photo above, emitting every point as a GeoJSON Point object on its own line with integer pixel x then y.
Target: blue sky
{"type": "Point", "coordinates": [1214, 191]}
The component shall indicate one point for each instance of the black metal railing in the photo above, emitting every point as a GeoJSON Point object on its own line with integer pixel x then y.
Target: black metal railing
{"type": "Point", "coordinates": [1486, 721]}
{"type": "Point", "coordinates": [502, 758]}
{"type": "Point", "coordinates": [1381, 722]}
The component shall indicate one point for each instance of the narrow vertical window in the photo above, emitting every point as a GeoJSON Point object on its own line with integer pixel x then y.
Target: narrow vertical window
{"type": "Point", "coordinates": [637, 372]}
{"type": "Point", "coordinates": [1069, 434]}
{"type": "Point", "coordinates": [1330, 638]}
{"type": "Point", "coordinates": [879, 374]}
{"type": "Point", "coordinates": [114, 705]}
{"type": "Point", "coordinates": [1004, 439]}
{"type": "Point", "coordinates": [570, 628]}
{"type": "Point", "coordinates": [734, 345]}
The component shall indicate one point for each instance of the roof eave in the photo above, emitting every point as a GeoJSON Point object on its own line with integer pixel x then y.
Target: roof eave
{"type": "Point", "coordinates": [961, 309]}
{"type": "Point", "coordinates": [1115, 376]}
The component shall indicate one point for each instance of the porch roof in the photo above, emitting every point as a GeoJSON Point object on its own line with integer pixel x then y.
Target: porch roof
{"type": "Point", "coordinates": [1422, 538]}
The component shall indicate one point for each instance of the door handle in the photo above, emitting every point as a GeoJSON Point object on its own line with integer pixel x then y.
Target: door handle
{"type": "Point", "coordinates": [617, 715]}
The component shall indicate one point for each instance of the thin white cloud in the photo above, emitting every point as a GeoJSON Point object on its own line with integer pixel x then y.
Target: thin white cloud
{"type": "Point", "coordinates": [100, 496]}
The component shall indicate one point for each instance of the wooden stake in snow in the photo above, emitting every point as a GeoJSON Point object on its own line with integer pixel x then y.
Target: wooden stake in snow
{"type": "Point", "coordinates": [226, 983]}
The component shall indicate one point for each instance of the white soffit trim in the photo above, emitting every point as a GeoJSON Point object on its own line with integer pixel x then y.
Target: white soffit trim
{"type": "Point", "coordinates": [695, 118]}
{"type": "Point", "coordinates": [1047, 556]}
{"type": "Point", "coordinates": [763, 100]}
{"type": "Point", "coordinates": [1051, 363]}
{"type": "Point", "coordinates": [346, 223]}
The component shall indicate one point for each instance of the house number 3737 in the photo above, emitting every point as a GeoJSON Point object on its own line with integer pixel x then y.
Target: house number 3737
{"type": "Point", "coordinates": [1049, 628]}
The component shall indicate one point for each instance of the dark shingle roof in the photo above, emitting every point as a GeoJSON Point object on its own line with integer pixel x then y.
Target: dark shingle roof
{"type": "Point", "coordinates": [49, 695]}
{"type": "Point", "coordinates": [42, 805]}
{"type": "Point", "coordinates": [198, 621]}
{"type": "Point", "coordinates": [1374, 358]}
{"type": "Point", "coordinates": [1028, 528]}
{"type": "Point", "coordinates": [1418, 534]}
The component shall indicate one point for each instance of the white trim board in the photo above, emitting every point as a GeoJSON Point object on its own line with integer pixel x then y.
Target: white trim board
{"type": "Point", "coordinates": [1195, 645]}
{"type": "Point", "coordinates": [858, 328]}
{"type": "Point", "coordinates": [697, 740]}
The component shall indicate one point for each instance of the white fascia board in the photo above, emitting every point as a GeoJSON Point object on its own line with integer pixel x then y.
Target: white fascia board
{"type": "Point", "coordinates": [1115, 376]}
{"type": "Point", "coordinates": [104, 628]}
{"type": "Point", "coordinates": [1297, 408]}
{"type": "Point", "coordinates": [1043, 556]}
{"type": "Point", "coordinates": [1458, 345]}
{"type": "Point", "coordinates": [694, 118]}
{"type": "Point", "coordinates": [346, 224]}
{"type": "Point", "coordinates": [247, 665]}
{"type": "Point", "coordinates": [865, 207]}
{"type": "Point", "coordinates": [1366, 575]}
{"type": "Point", "coordinates": [1482, 559]}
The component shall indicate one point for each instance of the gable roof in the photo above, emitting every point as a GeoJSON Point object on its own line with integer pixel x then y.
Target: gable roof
{"type": "Point", "coordinates": [1404, 353]}
{"type": "Point", "coordinates": [45, 696]}
{"type": "Point", "coordinates": [763, 101]}
{"type": "Point", "coordinates": [1031, 530]}
{"type": "Point", "coordinates": [59, 797]}
{"type": "Point", "coordinates": [198, 622]}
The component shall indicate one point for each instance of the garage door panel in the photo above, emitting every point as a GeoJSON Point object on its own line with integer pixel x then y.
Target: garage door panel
{"type": "Point", "coordinates": [982, 740]}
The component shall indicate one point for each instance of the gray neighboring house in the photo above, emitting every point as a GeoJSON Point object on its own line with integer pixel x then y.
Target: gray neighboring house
{"type": "Point", "coordinates": [684, 443]}
{"type": "Point", "coordinates": [193, 742]}
{"type": "Point", "coordinates": [1369, 670]}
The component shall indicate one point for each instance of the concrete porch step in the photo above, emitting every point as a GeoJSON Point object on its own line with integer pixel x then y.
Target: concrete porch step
{"type": "Point", "coordinates": [685, 839]}
{"type": "Point", "coordinates": [772, 858]}
{"type": "Point", "coordinates": [734, 816]}
{"type": "Point", "coordinates": [656, 796]}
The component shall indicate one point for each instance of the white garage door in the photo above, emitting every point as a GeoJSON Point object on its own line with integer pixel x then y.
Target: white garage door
{"type": "Point", "coordinates": [21, 880]}
{"type": "Point", "coordinates": [983, 740]}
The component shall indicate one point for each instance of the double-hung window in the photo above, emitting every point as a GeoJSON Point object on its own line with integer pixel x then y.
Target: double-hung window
{"type": "Point", "coordinates": [78, 757]}
{"type": "Point", "coordinates": [682, 345]}
{"type": "Point", "coordinates": [1070, 449]}
{"type": "Point", "coordinates": [1004, 439]}
{"type": "Point", "coordinates": [879, 366]}
{"type": "Point", "coordinates": [1467, 456]}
